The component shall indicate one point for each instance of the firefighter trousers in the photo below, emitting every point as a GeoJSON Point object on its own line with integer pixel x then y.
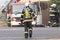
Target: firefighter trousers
{"type": "Point", "coordinates": [28, 27]}
{"type": "Point", "coordinates": [52, 20]}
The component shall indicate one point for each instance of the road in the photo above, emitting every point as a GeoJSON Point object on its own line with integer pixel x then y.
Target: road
{"type": "Point", "coordinates": [17, 33]}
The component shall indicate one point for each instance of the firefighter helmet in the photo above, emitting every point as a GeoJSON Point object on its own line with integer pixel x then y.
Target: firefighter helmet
{"type": "Point", "coordinates": [27, 4]}
{"type": "Point", "coordinates": [53, 5]}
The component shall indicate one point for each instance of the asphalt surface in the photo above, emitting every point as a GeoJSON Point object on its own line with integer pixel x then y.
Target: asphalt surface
{"type": "Point", "coordinates": [39, 33]}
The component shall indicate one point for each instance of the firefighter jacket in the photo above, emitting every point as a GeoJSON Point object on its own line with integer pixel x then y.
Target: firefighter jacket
{"type": "Point", "coordinates": [53, 12]}
{"type": "Point", "coordinates": [27, 14]}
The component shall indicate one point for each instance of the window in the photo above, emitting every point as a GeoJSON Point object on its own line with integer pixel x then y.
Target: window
{"type": "Point", "coordinates": [19, 8]}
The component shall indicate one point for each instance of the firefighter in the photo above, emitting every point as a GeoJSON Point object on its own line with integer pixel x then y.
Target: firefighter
{"type": "Point", "coordinates": [27, 16]}
{"type": "Point", "coordinates": [53, 14]}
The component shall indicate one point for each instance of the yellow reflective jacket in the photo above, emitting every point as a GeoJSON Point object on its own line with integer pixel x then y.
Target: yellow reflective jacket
{"type": "Point", "coordinates": [27, 14]}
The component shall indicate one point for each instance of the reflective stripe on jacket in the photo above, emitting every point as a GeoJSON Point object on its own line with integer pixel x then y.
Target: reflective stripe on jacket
{"type": "Point", "coordinates": [51, 15]}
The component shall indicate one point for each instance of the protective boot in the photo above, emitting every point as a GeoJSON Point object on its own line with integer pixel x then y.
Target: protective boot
{"type": "Point", "coordinates": [26, 35]}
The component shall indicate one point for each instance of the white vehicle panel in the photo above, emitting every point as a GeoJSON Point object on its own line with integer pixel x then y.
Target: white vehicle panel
{"type": "Point", "coordinates": [15, 23]}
